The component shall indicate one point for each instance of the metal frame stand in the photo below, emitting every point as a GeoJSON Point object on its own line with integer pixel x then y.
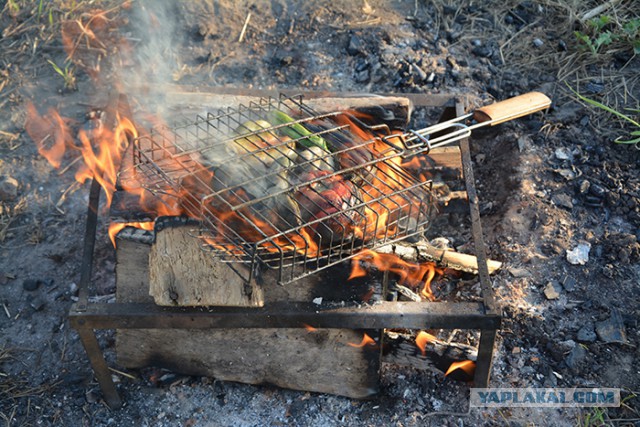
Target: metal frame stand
{"type": "Point", "coordinates": [86, 318]}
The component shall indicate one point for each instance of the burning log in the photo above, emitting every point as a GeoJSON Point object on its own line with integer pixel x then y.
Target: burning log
{"type": "Point", "coordinates": [431, 354]}
{"type": "Point", "coordinates": [444, 258]}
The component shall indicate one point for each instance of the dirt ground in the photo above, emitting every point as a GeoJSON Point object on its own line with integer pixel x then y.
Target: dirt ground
{"type": "Point", "coordinates": [547, 184]}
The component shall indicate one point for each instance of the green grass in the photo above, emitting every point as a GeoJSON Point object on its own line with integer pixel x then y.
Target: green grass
{"type": "Point", "coordinates": [67, 74]}
{"type": "Point", "coordinates": [604, 31]}
{"type": "Point", "coordinates": [635, 134]}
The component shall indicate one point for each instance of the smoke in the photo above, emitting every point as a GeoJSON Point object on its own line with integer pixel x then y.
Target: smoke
{"type": "Point", "coordinates": [152, 58]}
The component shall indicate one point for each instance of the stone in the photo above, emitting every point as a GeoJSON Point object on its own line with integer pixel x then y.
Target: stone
{"type": "Point", "coordinates": [563, 153]}
{"type": "Point", "coordinates": [431, 78]}
{"type": "Point", "coordinates": [8, 188]}
{"type": "Point", "coordinates": [576, 358]}
{"type": "Point", "coordinates": [567, 174]}
{"type": "Point", "coordinates": [551, 292]}
{"type": "Point", "coordinates": [562, 200]}
{"type": "Point", "coordinates": [560, 349]}
{"type": "Point", "coordinates": [587, 333]}
{"type": "Point", "coordinates": [580, 254]}
{"type": "Point", "coordinates": [537, 42]}
{"type": "Point", "coordinates": [568, 283]}
{"type": "Point", "coordinates": [37, 304]}
{"type": "Point", "coordinates": [584, 186]}
{"type": "Point", "coordinates": [519, 272]}
{"type": "Point", "coordinates": [355, 45]}
{"type": "Point", "coordinates": [30, 284]}
{"type": "Point", "coordinates": [612, 330]}
{"type": "Point", "coordinates": [482, 51]}
{"type": "Point", "coordinates": [362, 76]}
{"type": "Point", "coordinates": [598, 190]}
{"type": "Point", "coordinates": [418, 73]}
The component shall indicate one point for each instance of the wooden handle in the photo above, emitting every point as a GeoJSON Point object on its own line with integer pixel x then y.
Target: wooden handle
{"type": "Point", "coordinates": [512, 108]}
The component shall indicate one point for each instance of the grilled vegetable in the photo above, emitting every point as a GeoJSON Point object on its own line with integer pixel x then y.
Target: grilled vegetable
{"type": "Point", "coordinates": [349, 150]}
{"type": "Point", "coordinates": [315, 158]}
{"type": "Point", "coordinates": [265, 146]}
{"type": "Point", "coordinates": [298, 132]}
{"type": "Point", "coordinates": [332, 201]}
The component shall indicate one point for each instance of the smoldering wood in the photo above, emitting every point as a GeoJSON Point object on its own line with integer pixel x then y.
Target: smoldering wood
{"type": "Point", "coordinates": [438, 355]}
{"type": "Point", "coordinates": [319, 361]}
{"type": "Point", "coordinates": [445, 258]}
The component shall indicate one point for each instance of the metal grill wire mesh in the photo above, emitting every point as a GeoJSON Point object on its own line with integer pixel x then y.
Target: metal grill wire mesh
{"type": "Point", "coordinates": [267, 193]}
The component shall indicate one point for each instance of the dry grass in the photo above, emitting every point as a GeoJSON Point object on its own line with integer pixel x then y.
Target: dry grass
{"type": "Point", "coordinates": [17, 393]}
{"type": "Point", "coordinates": [8, 214]}
{"type": "Point", "coordinates": [554, 22]}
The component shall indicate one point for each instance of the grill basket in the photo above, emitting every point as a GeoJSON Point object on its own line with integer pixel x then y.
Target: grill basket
{"type": "Point", "coordinates": [279, 185]}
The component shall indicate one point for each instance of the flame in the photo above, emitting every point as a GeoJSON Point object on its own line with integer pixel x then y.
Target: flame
{"type": "Point", "coordinates": [366, 341]}
{"type": "Point", "coordinates": [422, 339]}
{"type": "Point", "coordinates": [50, 132]}
{"type": "Point", "coordinates": [116, 227]}
{"type": "Point", "coordinates": [309, 328]}
{"type": "Point", "coordinates": [101, 148]}
{"type": "Point", "coordinates": [411, 274]}
{"type": "Point", "coordinates": [382, 211]}
{"type": "Point", "coordinates": [467, 366]}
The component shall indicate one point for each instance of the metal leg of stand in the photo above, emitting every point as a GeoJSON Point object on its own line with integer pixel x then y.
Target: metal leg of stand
{"type": "Point", "coordinates": [100, 367]}
{"type": "Point", "coordinates": [485, 357]}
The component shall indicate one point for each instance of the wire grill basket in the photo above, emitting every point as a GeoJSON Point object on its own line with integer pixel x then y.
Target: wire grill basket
{"type": "Point", "coordinates": [277, 184]}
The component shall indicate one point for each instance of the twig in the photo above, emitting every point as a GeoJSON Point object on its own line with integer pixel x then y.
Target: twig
{"type": "Point", "coordinates": [597, 10]}
{"type": "Point", "coordinates": [66, 168]}
{"type": "Point", "coordinates": [70, 190]}
{"type": "Point", "coordinates": [514, 36]}
{"type": "Point", "coordinates": [6, 310]}
{"type": "Point", "coordinates": [124, 374]}
{"type": "Point", "coordinates": [10, 135]}
{"type": "Point", "coordinates": [244, 27]}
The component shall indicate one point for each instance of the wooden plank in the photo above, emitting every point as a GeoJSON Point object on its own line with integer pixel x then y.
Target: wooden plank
{"type": "Point", "coordinates": [181, 273]}
{"type": "Point", "coordinates": [448, 157]}
{"type": "Point", "coordinates": [320, 361]}
{"type": "Point", "coordinates": [132, 268]}
{"type": "Point", "coordinates": [418, 99]}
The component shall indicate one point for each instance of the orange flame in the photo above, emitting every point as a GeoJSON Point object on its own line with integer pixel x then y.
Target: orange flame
{"type": "Point", "coordinates": [411, 274]}
{"type": "Point", "coordinates": [467, 366]}
{"type": "Point", "coordinates": [116, 227]}
{"type": "Point", "coordinates": [366, 341]}
{"type": "Point", "coordinates": [422, 339]}
{"type": "Point", "coordinates": [101, 148]}
{"type": "Point", "coordinates": [309, 328]}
